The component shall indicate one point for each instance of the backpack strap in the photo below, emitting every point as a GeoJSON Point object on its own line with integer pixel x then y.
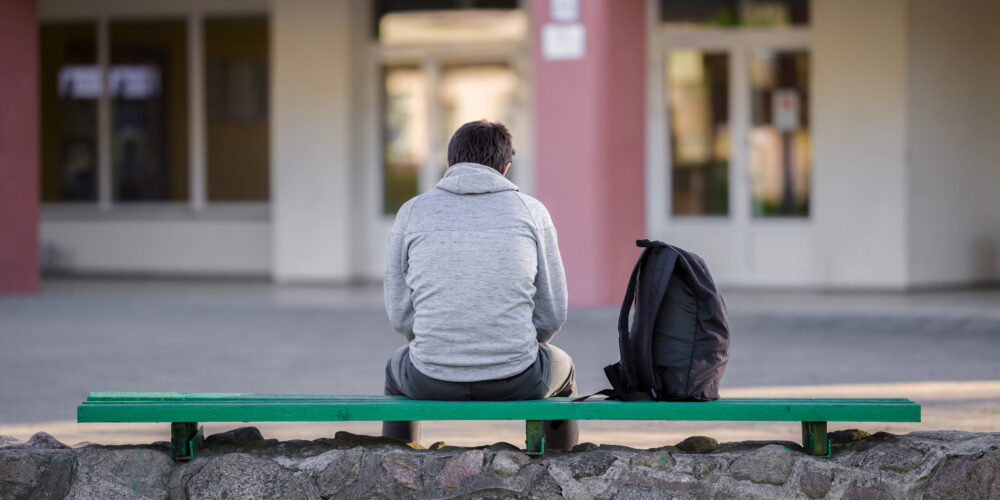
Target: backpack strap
{"type": "Point", "coordinates": [613, 394]}
{"type": "Point", "coordinates": [624, 372]}
{"type": "Point", "coordinates": [662, 264]}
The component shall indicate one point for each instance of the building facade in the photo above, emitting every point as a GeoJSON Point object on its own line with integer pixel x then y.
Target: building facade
{"type": "Point", "coordinates": [833, 144]}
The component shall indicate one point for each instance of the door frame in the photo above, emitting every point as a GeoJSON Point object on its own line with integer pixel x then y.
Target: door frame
{"type": "Point", "coordinates": [740, 224]}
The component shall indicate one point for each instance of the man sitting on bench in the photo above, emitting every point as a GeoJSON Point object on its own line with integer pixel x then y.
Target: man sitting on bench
{"type": "Point", "coordinates": [475, 283]}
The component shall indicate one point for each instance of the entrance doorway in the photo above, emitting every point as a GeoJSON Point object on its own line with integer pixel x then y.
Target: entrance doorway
{"type": "Point", "coordinates": [729, 168]}
{"type": "Point", "coordinates": [433, 71]}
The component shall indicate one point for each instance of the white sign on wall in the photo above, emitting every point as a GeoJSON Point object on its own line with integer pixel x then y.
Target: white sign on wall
{"type": "Point", "coordinates": [565, 11]}
{"type": "Point", "coordinates": [785, 110]}
{"type": "Point", "coordinates": [564, 42]}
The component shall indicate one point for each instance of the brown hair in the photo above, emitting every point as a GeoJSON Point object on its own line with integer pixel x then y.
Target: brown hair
{"type": "Point", "coordinates": [482, 142]}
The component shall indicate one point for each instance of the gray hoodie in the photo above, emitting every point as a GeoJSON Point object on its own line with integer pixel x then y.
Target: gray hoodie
{"type": "Point", "coordinates": [473, 277]}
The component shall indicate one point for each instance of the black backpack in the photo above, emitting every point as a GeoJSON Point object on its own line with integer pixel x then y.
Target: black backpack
{"type": "Point", "coordinates": [678, 345]}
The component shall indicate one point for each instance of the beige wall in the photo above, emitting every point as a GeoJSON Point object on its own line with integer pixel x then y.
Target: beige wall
{"type": "Point", "coordinates": [161, 244]}
{"type": "Point", "coordinates": [311, 118]}
{"type": "Point", "coordinates": [953, 95]}
{"type": "Point", "coordinates": [907, 150]}
{"type": "Point", "coordinates": [859, 96]}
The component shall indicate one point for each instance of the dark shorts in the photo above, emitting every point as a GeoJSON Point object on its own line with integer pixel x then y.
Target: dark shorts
{"type": "Point", "coordinates": [552, 374]}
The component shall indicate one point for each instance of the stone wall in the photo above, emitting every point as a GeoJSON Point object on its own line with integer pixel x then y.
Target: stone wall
{"type": "Point", "coordinates": [242, 464]}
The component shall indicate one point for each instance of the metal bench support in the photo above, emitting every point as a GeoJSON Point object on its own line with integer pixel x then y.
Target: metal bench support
{"type": "Point", "coordinates": [814, 438]}
{"type": "Point", "coordinates": [185, 437]}
{"type": "Point", "coordinates": [535, 442]}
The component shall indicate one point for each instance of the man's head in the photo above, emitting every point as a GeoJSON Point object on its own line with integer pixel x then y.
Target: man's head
{"type": "Point", "coordinates": [482, 142]}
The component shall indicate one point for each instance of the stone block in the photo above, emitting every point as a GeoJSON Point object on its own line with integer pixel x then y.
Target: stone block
{"type": "Point", "coordinates": [27, 474]}
{"type": "Point", "coordinates": [466, 464]}
{"type": "Point", "coordinates": [815, 484]}
{"type": "Point", "coordinates": [966, 477]}
{"type": "Point", "coordinates": [592, 464]}
{"type": "Point", "coordinates": [656, 460]}
{"type": "Point", "coordinates": [403, 469]}
{"type": "Point", "coordinates": [40, 441]}
{"type": "Point", "coordinates": [121, 472]}
{"type": "Point", "coordinates": [245, 476]}
{"type": "Point", "coordinates": [509, 463]}
{"type": "Point", "coordinates": [771, 464]}
{"type": "Point", "coordinates": [341, 472]}
{"type": "Point", "coordinates": [697, 444]}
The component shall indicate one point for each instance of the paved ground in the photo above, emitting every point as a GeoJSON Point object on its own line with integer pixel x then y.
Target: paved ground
{"type": "Point", "coordinates": [84, 335]}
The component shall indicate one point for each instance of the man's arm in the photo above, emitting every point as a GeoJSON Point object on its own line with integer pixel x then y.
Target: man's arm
{"type": "Point", "coordinates": [398, 304]}
{"type": "Point", "coordinates": [550, 282]}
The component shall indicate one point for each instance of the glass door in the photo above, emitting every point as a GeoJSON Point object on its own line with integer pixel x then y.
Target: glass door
{"type": "Point", "coordinates": [780, 152]}
{"type": "Point", "coordinates": [730, 157]}
{"type": "Point", "coordinates": [698, 102]}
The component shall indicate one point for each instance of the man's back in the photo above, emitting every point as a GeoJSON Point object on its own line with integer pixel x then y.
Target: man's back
{"type": "Point", "coordinates": [474, 277]}
{"type": "Point", "coordinates": [474, 281]}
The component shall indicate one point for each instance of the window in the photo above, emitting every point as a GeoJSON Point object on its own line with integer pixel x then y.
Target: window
{"type": "Point", "coordinates": [69, 87]}
{"type": "Point", "coordinates": [698, 99]}
{"type": "Point", "coordinates": [150, 79]}
{"type": "Point", "coordinates": [236, 95]}
{"type": "Point", "coordinates": [779, 135]}
{"type": "Point", "coordinates": [405, 134]}
{"type": "Point", "coordinates": [147, 83]}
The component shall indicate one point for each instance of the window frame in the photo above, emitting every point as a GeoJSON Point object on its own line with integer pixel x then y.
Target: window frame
{"type": "Point", "coordinates": [197, 204]}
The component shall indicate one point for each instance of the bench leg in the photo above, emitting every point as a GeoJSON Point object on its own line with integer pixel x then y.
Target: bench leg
{"type": "Point", "coordinates": [535, 442]}
{"type": "Point", "coordinates": [814, 438]}
{"type": "Point", "coordinates": [184, 439]}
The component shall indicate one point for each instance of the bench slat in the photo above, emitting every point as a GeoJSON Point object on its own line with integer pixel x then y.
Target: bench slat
{"type": "Point", "coordinates": [260, 408]}
{"type": "Point", "coordinates": [111, 397]}
{"type": "Point", "coordinates": [409, 402]}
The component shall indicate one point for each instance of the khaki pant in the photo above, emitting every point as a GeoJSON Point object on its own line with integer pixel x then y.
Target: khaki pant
{"type": "Point", "coordinates": [552, 374]}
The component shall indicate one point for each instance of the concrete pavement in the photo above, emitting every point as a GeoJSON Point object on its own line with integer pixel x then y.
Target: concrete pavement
{"type": "Point", "coordinates": [80, 335]}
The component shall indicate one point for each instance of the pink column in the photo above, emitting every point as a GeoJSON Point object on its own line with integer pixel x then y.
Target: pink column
{"type": "Point", "coordinates": [18, 146]}
{"type": "Point", "coordinates": [590, 126]}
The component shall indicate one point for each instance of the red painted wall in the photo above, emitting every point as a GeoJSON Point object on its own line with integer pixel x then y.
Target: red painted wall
{"type": "Point", "coordinates": [18, 146]}
{"type": "Point", "coordinates": [590, 131]}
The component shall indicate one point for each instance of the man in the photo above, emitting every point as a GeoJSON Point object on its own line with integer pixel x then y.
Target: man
{"type": "Point", "coordinates": [475, 283]}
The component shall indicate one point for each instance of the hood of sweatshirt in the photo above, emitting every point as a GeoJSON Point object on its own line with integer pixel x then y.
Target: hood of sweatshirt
{"type": "Point", "coordinates": [473, 178]}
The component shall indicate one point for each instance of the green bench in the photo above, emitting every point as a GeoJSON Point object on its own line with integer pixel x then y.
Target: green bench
{"type": "Point", "coordinates": [185, 410]}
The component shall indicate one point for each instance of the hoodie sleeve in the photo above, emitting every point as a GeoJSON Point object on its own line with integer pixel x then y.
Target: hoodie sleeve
{"type": "Point", "coordinates": [398, 303]}
{"type": "Point", "coordinates": [550, 282]}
